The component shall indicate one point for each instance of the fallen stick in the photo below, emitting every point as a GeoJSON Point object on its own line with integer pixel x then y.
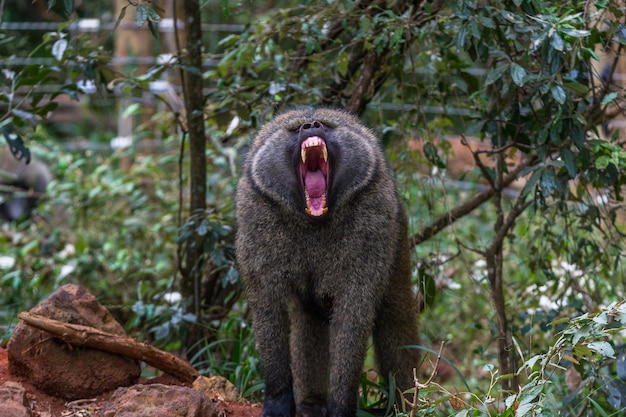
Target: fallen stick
{"type": "Point", "coordinates": [78, 335]}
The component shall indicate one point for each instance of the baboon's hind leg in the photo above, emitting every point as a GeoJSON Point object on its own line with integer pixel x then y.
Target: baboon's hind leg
{"type": "Point", "coordinates": [396, 327]}
{"type": "Point", "coordinates": [310, 363]}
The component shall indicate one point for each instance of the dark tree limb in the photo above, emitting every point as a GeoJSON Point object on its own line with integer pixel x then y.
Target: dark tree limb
{"type": "Point", "coordinates": [301, 58]}
{"type": "Point", "coordinates": [361, 93]}
{"type": "Point", "coordinates": [494, 257]}
{"type": "Point", "coordinates": [464, 209]}
{"type": "Point", "coordinates": [191, 263]}
{"type": "Point", "coordinates": [78, 335]}
{"type": "Point", "coordinates": [364, 70]}
{"type": "Point", "coordinates": [335, 91]}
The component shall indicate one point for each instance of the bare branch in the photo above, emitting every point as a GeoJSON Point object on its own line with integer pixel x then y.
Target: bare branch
{"type": "Point", "coordinates": [78, 335]}
{"type": "Point", "coordinates": [464, 209]}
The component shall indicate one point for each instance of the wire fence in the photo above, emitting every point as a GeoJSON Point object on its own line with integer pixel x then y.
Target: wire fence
{"type": "Point", "coordinates": [96, 25]}
{"type": "Point", "coordinates": [71, 111]}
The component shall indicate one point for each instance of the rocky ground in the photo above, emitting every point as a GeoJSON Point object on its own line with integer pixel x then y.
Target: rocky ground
{"type": "Point", "coordinates": [68, 357]}
{"type": "Point", "coordinates": [44, 405]}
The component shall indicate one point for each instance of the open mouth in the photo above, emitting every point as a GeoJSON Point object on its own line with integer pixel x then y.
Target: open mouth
{"type": "Point", "coordinates": [314, 171]}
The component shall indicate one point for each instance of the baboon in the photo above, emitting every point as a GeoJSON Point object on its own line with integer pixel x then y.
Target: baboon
{"type": "Point", "coordinates": [24, 183]}
{"type": "Point", "coordinates": [322, 249]}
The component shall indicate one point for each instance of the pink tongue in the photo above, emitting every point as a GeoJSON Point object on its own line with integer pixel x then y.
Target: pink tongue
{"type": "Point", "coordinates": [315, 183]}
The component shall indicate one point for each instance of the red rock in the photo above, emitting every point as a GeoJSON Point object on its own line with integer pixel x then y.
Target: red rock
{"type": "Point", "coordinates": [13, 401]}
{"type": "Point", "coordinates": [66, 371]}
{"type": "Point", "coordinates": [158, 400]}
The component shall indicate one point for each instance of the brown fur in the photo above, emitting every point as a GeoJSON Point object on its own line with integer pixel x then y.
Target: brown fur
{"type": "Point", "coordinates": [318, 287]}
{"type": "Point", "coordinates": [22, 185]}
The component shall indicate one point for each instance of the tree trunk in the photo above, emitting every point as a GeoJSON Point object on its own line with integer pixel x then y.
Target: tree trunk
{"type": "Point", "coordinates": [192, 259]}
{"type": "Point", "coordinates": [506, 352]}
{"type": "Point", "coordinates": [494, 256]}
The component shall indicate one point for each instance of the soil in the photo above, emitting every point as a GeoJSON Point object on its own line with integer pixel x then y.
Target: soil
{"type": "Point", "coordinates": [44, 405]}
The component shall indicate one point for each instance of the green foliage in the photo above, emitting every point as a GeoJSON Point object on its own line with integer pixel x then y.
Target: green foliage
{"type": "Point", "coordinates": [584, 359]}
{"type": "Point", "coordinates": [538, 99]}
{"type": "Point", "coordinates": [302, 56]}
{"type": "Point", "coordinates": [229, 351]}
{"type": "Point", "coordinates": [68, 6]}
{"type": "Point", "coordinates": [28, 92]}
{"type": "Point", "coordinates": [580, 373]}
{"type": "Point", "coordinates": [90, 199]}
{"type": "Point", "coordinates": [145, 11]}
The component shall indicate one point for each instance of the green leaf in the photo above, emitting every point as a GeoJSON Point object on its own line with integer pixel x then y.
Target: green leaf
{"type": "Point", "coordinates": [570, 18]}
{"type": "Point", "coordinates": [432, 154]}
{"type": "Point", "coordinates": [427, 286]}
{"type": "Point", "coordinates": [524, 409]}
{"type": "Point", "coordinates": [528, 396]}
{"type": "Point", "coordinates": [69, 6]}
{"type": "Point", "coordinates": [609, 176]}
{"type": "Point", "coordinates": [58, 49]}
{"type": "Point", "coordinates": [153, 15]}
{"type": "Point", "coordinates": [397, 37]}
{"type": "Point", "coordinates": [609, 98]}
{"type": "Point", "coordinates": [621, 315]}
{"type": "Point", "coordinates": [495, 74]}
{"type": "Point", "coordinates": [576, 33]}
{"type": "Point", "coordinates": [557, 42]}
{"type": "Point", "coordinates": [131, 110]}
{"type": "Point", "coordinates": [518, 73]}
{"type": "Point", "coordinates": [120, 17]}
{"type": "Point", "coordinates": [576, 87]}
{"type": "Point", "coordinates": [225, 8]}
{"type": "Point", "coordinates": [590, 53]}
{"type": "Point", "coordinates": [570, 162]}
{"type": "Point", "coordinates": [532, 182]}
{"type": "Point", "coordinates": [578, 136]}
{"type": "Point", "coordinates": [51, 4]}
{"type": "Point", "coordinates": [342, 63]}
{"type": "Point", "coordinates": [487, 22]}
{"type": "Point", "coordinates": [558, 93]}
{"type": "Point", "coordinates": [153, 29]}
{"type": "Point", "coordinates": [26, 115]}
{"type": "Point", "coordinates": [530, 363]}
{"type": "Point", "coordinates": [602, 318]}
{"type": "Point", "coordinates": [202, 228]}
{"type": "Point", "coordinates": [603, 348]}
{"type": "Point", "coordinates": [602, 162]}
{"type": "Point", "coordinates": [549, 182]}
{"type": "Point", "coordinates": [365, 24]}
{"type": "Point", "coordinates": [601, 409]}
{"type": "Point", "coordinates": [513, 18]}
{"type": "Point", "coordinates": [556, 129]}
{"type": "Point", "coordinates": [191, 69]}
{"type": "Point", "coordinates": [460, 38]}
{"type": "Point", "coordinates": [141, 15]}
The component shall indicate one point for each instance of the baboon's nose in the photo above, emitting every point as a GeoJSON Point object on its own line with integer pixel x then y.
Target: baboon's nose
{"type": "Point", "coordinates": [312, 129]}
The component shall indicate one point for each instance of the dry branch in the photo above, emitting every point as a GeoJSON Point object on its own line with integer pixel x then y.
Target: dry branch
{"type": "Point", "coordinates": [464, 209]}
{"type": "Point", "coordinates": [78, 335]}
